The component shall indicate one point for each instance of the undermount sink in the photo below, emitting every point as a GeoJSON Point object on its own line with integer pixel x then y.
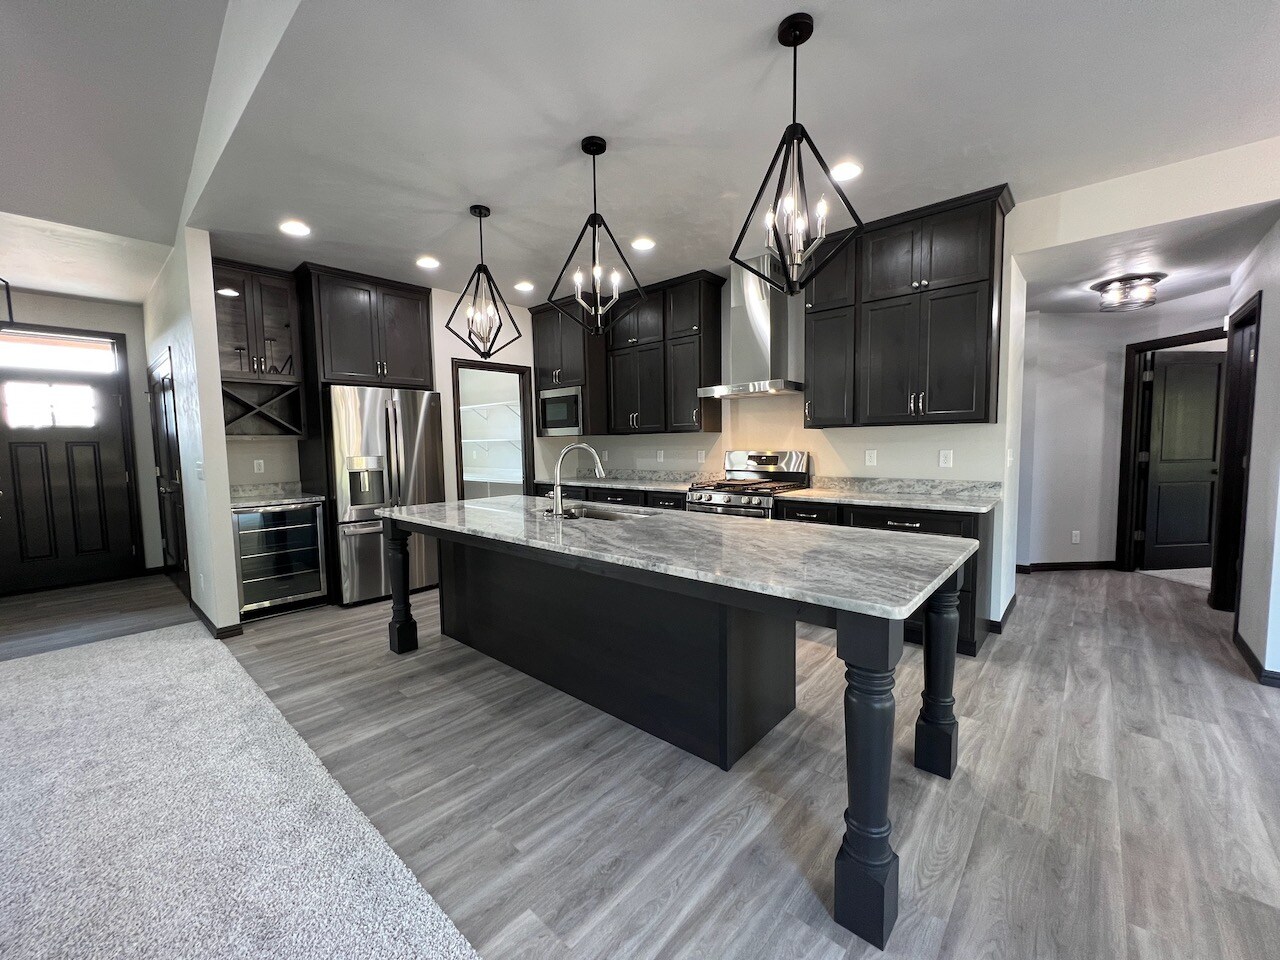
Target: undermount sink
{"type": "Point", "coordinates": [587, 512]}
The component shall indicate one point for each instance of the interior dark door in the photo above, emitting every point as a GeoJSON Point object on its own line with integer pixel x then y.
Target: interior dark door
{"type": "Point", "coordinates": [888, 352]}
{"type": "Point", "coordinates": [624, 391]}
{"type": "Point", "coordinates": [164, 438]}
{"type": "Point", "coordinates": [1183, 474]}
{"type": "Point", "coordinates": [954, 326]}
{"type": "Point", "coordinates": [66, 512]}
{"type": "Point", "coordinates": [891, 261]}
{"type": "Point", "coordinates": [406, 338]}
{"type": "Point", "coordinates": [349, 326]}
{"type": "Point", "coordinates": [829, 381]}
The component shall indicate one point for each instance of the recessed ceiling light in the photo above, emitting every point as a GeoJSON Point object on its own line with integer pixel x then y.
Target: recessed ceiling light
{"type": "Point", "coordinates": [295, 228]}
{"type": "Point", "coordinates": [428, 262]}
{"type": "Point", "coordinates": [228, 292]}
{"type": "Point", "coordinates": [642, 243]}
{"type": "Point", "coordinates": [846, 170]}
{"type": "Point", "coordinates": [524, 286]}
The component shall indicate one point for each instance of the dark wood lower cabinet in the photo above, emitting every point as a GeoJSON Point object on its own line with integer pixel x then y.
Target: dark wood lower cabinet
{"type": "Point", "coordinates": [634, 498]}
{"type": "Point", "coordinates": [665, 501]}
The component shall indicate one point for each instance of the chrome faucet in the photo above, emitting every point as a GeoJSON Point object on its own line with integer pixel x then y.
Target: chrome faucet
{"type": "Point", "coordinates": [557, 499]}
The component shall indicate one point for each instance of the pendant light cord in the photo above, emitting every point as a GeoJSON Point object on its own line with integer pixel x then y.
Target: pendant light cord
{"type": "Point", "coordinates": [594, 206]}
{"type": "Point", "coordinates": [480, 220]}
{"type": "Point", "coordinates": [795, 60]}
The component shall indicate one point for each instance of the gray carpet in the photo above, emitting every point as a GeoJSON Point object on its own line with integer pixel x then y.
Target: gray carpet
{"type": "Point", "coordinates": [154, 803]}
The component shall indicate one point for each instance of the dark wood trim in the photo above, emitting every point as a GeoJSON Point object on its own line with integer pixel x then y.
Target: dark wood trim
{"type": "Point", "coordinates": [218, 633]}
{"type": "Point", "coordinates": [1001, 193]}
{"type": "Point", "coordinates": [1135, 423]}
{"type": "Point", "coordinates": [314, 268]}
{"type": "Point", "coordinates": [253, 268]}
{"type": "Point", "coordinates": [1268, 678]}
{"type": "Point", "coordinates": [997, 626]}
{"type": "Point", "coordinates": [526, 415]}
{"type": "Point", "coordinates": [1073, 565]}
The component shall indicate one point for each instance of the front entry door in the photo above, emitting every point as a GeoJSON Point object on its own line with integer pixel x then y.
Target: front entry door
{"type": "Point", "coordinates": [1182, 483]}
{"type": "Point", "coordinates": [164, 437]}
{"type": "Point", "coordinates": [66, 513]}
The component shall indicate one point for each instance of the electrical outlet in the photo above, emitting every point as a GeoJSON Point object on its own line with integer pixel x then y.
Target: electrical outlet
{"type": "Point", "coordinates": [1075, 536]}
{"type": "Point", "coordinates": [259, 466]}
{"type": "Point", "coordinates": [1009, 457]}
{"type": "Point", "coordinates": [660, 456]}
{"type": "Point", "coordinates": [871, 458]}
{"type": "Point", "coordinates": [604, 456]}
{"type": "Point", "coordinates": [702, 456]}
{"type": "Point", "coordinates": [199, 469]}
{"type": "Point", "coordinates": [201, 578]}
{"type": "Point", "coordinates": [944, 458]}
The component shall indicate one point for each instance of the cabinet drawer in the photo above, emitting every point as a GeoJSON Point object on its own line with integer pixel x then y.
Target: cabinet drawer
{"type": "Point", "coordinates": [809, 512]}
{"type": "Point", "coordinates": [634, 498]}
{"type": "Point", "coordinates": [293, 586]}
{"type": "Point", "coordinates": [908, 521]}
{"type": "Point", "coordinates": [570, 493]}
{"type": "Point", "coordinates": [665, 501]}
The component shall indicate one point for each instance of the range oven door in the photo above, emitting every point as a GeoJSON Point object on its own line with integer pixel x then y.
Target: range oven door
{"type": "Point", "coordinates": [763, 513]}
{"type": "Point", "coordinates": [560, 412]}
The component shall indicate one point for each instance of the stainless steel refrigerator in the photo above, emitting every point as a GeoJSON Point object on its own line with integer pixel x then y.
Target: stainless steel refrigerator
{"type": "Point", "coordinates": [386, 453]}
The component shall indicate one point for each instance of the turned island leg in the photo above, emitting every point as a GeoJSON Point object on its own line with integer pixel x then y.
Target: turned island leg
{"type": "Point", "coordinates": [403, 629]}
{"type": "Point", "coordinates": [937, 730]}
{"type": "Point", "coordinates": [866, 882]}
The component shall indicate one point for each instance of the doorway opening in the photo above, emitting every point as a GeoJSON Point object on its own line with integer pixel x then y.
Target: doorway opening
{"type": "Point", "coordinates": [493, 428]}
{"type": "Point", "coordinates": [68, 511]}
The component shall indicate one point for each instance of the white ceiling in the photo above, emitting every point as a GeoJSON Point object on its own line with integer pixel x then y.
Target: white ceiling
{"type": "Point", "coordinates": [380, 124]}
{"type": "Point", "coordinates": [101, 104]}
{"type": "Point", "coordinates": [1198, 254]}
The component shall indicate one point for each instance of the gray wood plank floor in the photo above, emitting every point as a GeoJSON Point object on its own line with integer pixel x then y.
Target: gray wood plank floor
{"type": "Point", "coordinates": [1118, 792]}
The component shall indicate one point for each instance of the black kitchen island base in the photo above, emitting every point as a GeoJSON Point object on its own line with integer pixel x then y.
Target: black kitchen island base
{"type": "Point", "coordinates": [707, 677]}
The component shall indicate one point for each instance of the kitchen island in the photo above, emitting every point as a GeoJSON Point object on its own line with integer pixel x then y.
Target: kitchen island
{"type": "Point", "coordinates": [684, 625]}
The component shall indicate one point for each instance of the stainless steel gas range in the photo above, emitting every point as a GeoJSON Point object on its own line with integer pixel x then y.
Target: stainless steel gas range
{"type": "Point", "coordinates": [751, 479]}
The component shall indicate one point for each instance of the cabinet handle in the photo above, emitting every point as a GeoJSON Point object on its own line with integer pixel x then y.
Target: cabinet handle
{"type": "Point", "coordinates": [805, 516]}
{"type": "Point", "coordinates": [633, 340]}
{"type": "Point", "coordinates": [262, 364]}
{"type": "Point", "coordinates": [614, 499]}
{"type": "Point", "coordinates": [915, 284]}
{"type": "Point", "coordinates": [924, 283]}
{"type": "Point", "coordinates": [808, 404]}
{"type": "Point", "coordinates": [695, 416]}
{"type": "Point", "coordinates": [902, 523]}
{"type": "Point", "coordinates": [920, 404]}
{"type": "Point", "coordinates": [911, 404]}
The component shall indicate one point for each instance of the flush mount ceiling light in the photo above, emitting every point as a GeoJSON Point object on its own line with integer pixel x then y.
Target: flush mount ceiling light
{"type": "Point", "coordinates": [481, 315]}
{"type": "Point", "coordinates": [600, 311]}
{"type": "Point", "coordinates": [642, 244]}
{"type": "Point", "coordinates": [428, 262]}
{"type": "Point", "coordinates": [1133, 291]}
{"type": "Point", "coordinates": [295, 228]}
{"type": "Point", "coordinates": [228, 292]}
{"type": "Point", "coordinates": [792, 227]}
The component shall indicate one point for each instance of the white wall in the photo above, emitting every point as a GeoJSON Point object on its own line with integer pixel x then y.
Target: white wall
{"type": "Point", "coordinates": [178, 314]}
{"type": "Point", "coordinates": [1260, 587]}
{"type": "Point", "coordinates": [279, 458]}
{"type": "Point", "coordinates": [50, 310]}
{"type": "Point", "coordinates": [1073, 402]}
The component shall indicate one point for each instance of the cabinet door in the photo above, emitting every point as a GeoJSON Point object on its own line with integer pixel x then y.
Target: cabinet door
{"type": "Point", "coordinates": [829, 375]}
{"type": "Point", "coordinates": [651, 408]}
{"type": "Point", "coordinates": [277, 312]}
{"type": "Point", "coordinates": [349, 330]}
{"type": "Point", "coordinates": [833, 287]}
{"type": "Point", "coordinates": [888, 351]}
{"type": "Point", "coordinates": [237, 343]}
{"type": "Point", "coordinates": [573, 347]}
{"type": "Point", "coordinates": [891, 261]}
{"type": "Point", "coordinates": [684, 359]}
{"type": "Point", "coordinates": [624, 391]}
{"type": "Point", "coordinates": [623, 333]}
{"type": "Point", "coordinates": [955, 329]}
{"type": "Point", "coordinates": [405, 320]}
{"type": "Point", "coordinates": [546, 346]}
{"type": "Point", "coordinates": [684, 308]}
{"type": "Point", "coordinates": [956, 247]}
{"type": "Point", "coordinates": [648, 317]}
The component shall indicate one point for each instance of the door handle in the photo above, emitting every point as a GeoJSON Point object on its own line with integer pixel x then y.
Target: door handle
{"type": "Point", "coordinates": [911, 404]}
{"type": "Point", "coordinates": [357, 529]}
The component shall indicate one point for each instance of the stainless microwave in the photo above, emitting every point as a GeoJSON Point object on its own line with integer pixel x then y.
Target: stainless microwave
{"type": "Point", "coordinates": [560, 412]}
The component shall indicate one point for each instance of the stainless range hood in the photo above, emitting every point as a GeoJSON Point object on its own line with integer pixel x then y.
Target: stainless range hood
{"type": "Point", "coordinates": [766, 339]}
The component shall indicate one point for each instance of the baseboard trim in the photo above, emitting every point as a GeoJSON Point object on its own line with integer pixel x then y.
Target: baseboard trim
{"type": "Point", "coordinates": [1075, 565]}
{"type": "Point", "coordinates": [1022, 567]}
{"type": "Point", "coordinates": [218, 633]}
{"type": "Point", "coordinates": [1268, 678]}
{"type": "Point", "coordinates": [997, 626]}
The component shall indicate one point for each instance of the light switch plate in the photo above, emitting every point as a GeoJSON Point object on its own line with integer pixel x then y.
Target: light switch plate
{"type": "Point", "coordinates": [199, 469]}
{"type": "Point", "coordinates": [871, 458]}
{"type": "Point", "coordinates": [945, 458]}
{"type": "Point", "coordinates": [259, 466]}
{"type": "Point", "coordinates": [660, 456]}
{"type": "Point", "coordinates": [702, 456]}
{"type": "Point", "coordinates": [1075, 536]}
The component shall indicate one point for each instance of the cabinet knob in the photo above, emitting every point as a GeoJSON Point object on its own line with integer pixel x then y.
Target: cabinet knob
{"type": "Point", "coordinates": [915, 284]}
{"type": "Point", "coordinates": [924, 283]}
{"type": "Point", "coordinates": [694, 327]}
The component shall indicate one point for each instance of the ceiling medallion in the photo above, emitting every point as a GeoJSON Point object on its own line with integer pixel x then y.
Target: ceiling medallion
{"type": "Point", "coordinates": [599, 302]}
{"type": "Point", "coordinates": [486, 316]}
{"type": "Point", "coordinates": [794, 228]}
{"type": "Point", "coordinates": [1133, 291]}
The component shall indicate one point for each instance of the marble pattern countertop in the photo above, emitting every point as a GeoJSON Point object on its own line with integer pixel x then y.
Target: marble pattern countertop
{"type": "Point", "coordinates": [248, 503]}
{"type": "Point", "coordinates": [875, 572]}
{"type": "Point", "coordinates": [911, 501]}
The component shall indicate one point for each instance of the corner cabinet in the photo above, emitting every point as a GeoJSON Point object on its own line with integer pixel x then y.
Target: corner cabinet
{"type": "Point", "coordinates": [368, 331]}
{"type": "Point", "coordinates": [918, 304]}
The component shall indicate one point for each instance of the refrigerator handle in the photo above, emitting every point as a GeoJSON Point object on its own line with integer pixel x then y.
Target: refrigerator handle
{"type": "Point", "coordinates": [393, 476]}
{"type": "Point", "coordinates": [400, 464]}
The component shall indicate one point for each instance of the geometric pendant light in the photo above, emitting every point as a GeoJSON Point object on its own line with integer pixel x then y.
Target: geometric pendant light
{"type": "Point", "coordinates": [481, 318]}
{"type": "Point", "coordinates": [797, 198]}
{"type": "Point", "coordinates": [599, 303]}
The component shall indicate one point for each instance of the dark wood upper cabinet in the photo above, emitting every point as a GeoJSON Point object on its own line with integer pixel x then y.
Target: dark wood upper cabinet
{"type": "Point", "coordinates": [369, 330]}
{"type": "Point", "coordinates": [829, 377]}
{"type": "Point", "coordinates": [955, 343]}
{"type": "Point", "coordinates": [955, 246]}
{"type": "Point", "coordinates": [834, 286]}
{"type": "Point", "coordinates": [651, 408]}
{"type": "Point", "coordinates": [258, 325]}
{"type": "Point", "coordinates": [684, 362]}
{"type": "Point", "coordinates": [624, 391]}
{"type": "Point", "coordinates": [559, 347]}
{"type": "Point", "coordinates": [546, 345]}
{"type": "Point", "coordinates": [684, 308]}
{"type": "Point", "coordinates": [641, 325]}
{"type": "Point", "coordinates": [573, 351]}
{"type": "Point", "coordinates": [890, 261]}
{"type": "Point", "coordinates": [888, 354]}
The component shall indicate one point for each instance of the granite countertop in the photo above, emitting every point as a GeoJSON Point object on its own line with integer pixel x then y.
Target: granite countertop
{"type": "Point", "coordinates": [913, 501]}
{"type": "Point", "coordinates": [280, 500]}
{"type": "Point", "coordinates": [875, 572]}
{"type": "Point", "coordinates": [656, 486]}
